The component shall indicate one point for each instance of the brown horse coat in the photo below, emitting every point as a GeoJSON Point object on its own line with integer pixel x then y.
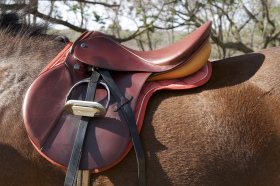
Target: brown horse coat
{"type": "Point", "coordinates": [223, 133]}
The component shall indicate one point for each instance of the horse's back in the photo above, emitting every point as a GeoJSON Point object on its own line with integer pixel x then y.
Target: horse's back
{"type": "Point", "coordinates": [224, 133]}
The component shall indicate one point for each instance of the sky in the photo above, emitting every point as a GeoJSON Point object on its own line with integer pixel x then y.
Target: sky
{"type": "Point", "coordinates": [70, 16]}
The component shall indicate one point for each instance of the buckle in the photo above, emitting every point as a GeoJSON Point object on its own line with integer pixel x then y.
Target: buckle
{"type": "Point", "coordinates": [86, 108]}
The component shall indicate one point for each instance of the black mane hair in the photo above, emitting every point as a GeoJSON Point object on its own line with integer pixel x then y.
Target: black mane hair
{"type": "Point", "coordinates": [11, 23]}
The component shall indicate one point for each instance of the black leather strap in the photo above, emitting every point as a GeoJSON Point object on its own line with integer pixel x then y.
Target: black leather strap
{"type": "Point", "coordinates": [129, 115]}
{"type": "Point", "coordinates": [74, 163]}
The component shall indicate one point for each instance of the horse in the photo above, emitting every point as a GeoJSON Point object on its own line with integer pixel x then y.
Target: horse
{"type": "Point", "coordinates": [226, 132]}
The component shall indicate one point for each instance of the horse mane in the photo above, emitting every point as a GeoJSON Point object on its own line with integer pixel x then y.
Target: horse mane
{"type": "Point", "coordinates": [13, 25]}
{"type": "Point", "coordinates": [25, 50]}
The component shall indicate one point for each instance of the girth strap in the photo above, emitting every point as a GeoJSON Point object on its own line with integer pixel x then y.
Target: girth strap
{"type": "Point", "coordinates": [74, 163]}
{"type": "Point", "coordinates": [129, 115]}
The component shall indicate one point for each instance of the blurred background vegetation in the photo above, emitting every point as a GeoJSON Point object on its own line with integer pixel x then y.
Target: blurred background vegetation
{"type": "Point", "coordinates": [239, 26]}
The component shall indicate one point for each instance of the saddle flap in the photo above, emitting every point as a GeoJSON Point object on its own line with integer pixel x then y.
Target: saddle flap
{"type": "Point", "coordinates": [52, 130]}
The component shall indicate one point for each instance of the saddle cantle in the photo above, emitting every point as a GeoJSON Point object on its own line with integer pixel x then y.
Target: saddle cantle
{"type": "Point", "coordinates": [137, 75]}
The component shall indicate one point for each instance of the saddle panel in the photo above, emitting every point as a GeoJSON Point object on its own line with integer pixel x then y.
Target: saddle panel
{"type": "Point", "coordinates": [199, 78]}
{"type": "Point", "coordinates": [195, 62]}
{"type": "Point", "coordinates": [101, 51]}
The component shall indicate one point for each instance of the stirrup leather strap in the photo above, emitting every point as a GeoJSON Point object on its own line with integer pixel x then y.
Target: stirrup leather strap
{"type": "Point", "coordinates": [129, 115]}
{"type": "Point", "coordinates": [74, 163]}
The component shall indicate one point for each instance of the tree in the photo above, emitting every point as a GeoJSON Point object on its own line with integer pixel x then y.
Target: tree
{"type": "Point", "coordinates": [239, 26]}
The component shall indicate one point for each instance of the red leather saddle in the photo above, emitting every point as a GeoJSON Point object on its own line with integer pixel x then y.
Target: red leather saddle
{"type": "Point", "coordinates": [137, 74]}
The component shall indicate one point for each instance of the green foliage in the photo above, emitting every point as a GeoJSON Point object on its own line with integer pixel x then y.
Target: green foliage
{"type": "Point", "coordinates": [112, 27]}
{"type": "Point", "coordinates": [211, 1]}
{"type": "Point", "coordinates": [75, 8]}
{"type": "Point", "coordinates": [138, 11]}
{"type": "Point", "coordinates": [96, 16]}
{"type": "Point", "coordinates": [199, 5]}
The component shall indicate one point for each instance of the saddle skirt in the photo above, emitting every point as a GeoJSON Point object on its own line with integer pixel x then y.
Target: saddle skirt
{"type": "Point", "coordinates": [52, 130]}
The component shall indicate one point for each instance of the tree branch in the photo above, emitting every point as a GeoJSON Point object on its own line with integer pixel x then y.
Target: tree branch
{"type": "Point", "coordinates": [132, 36]}
{"type": "Point", "coordinates": [237, 46]}
{"type": "Point", "coordinates": [100, 3]}
{"type": "Point", "coordinates": [58, 21]}
{"type": "Point", "coordinates": [12, 6]}
{"type": "Point", "coordinates": [248, 12]}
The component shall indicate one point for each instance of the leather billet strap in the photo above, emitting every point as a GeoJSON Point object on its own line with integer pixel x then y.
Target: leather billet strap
{"type": "Point", "coordinates": [129, 115]}
{"type": "Point", "coordinates": [74, 163]}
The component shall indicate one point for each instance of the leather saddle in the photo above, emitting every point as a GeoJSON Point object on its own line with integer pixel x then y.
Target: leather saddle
{"type": "Point", "coordinates": [121, 81]}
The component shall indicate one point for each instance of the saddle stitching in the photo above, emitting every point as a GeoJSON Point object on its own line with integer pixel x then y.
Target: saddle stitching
{"type": "Point", "coordinates": [58, 57]}
{"type": "Point", "coordinates": [62, 58]}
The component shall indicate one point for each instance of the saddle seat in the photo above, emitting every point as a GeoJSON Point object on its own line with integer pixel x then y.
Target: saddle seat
{"type": "Point", "coordinates": [137, 74]}
{"type": "Point", "coordinates": [97, 49]}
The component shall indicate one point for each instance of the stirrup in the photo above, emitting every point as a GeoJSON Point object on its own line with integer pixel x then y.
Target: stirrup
{"type": "Point", "coordinates": [86, 108]}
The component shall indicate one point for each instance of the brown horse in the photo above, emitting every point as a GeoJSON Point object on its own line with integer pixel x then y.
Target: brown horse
{"type": "Point", "coordinates": [226, 132]}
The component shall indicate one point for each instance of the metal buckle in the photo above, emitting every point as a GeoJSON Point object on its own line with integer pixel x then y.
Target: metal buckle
{"type": "Point", "coordinates": [86, 108]}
